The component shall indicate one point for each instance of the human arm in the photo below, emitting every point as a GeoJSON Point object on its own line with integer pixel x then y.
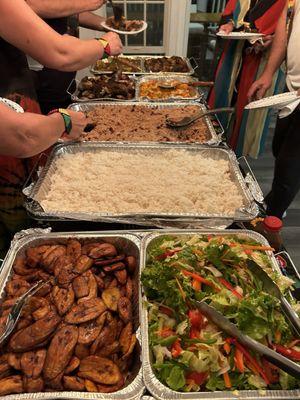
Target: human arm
{"type": "Point", "coordinates": [25, 135]}
{"type": "Point", "coordinates": [35, 38]}
{"type": "Point", "coordinates": [90, 20]}
{"type": "Point", "coordinates": [63, 8]}
{"type": "Point", "coordinates": [277, 56]}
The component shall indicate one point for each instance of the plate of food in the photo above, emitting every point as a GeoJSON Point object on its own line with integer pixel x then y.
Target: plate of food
{"type": "Point", "coordinates": [240, 35]}
{"type": "Point", "coordinates": [11, 104]}
{"type": "Point", "coordinates": [124, 26]}
{"type": "Point", "coordinates": [278, 101]}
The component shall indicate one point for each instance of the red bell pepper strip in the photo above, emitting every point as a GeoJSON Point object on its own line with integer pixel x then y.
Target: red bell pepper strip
{"type": "Point", "coordinates": [194, 333]}
{"type": "Point", "coordinates": [200, 279]}
{"type": "Point", "coordinates": [196, 319]}
{"type": "Point", "coordinates": [230, 287]}
{"type": "Point", "coordinates": [289, 353]}
{"type": "Point", "coordinates": [168, 253]}
{"type": "Point", "coordinates": [271, 371]}
{"type": "Point", "coordinates": [166, 332]}
{"type": "Point", "coordinates": [198, 377]}
{"type": "Point", "coordinates": [176, 349]}
{"type": "Point", "coordinates": [251, 360]}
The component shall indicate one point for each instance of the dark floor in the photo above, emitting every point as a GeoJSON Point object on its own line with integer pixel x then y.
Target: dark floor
{"type": "Point", "coordinates": [263, 169]}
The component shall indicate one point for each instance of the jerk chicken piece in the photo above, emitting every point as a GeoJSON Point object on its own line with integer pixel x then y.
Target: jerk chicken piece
{"type": "Point", "coordinates": [60, 351]}
{"type": "Point", "coordinates": [34, 334]}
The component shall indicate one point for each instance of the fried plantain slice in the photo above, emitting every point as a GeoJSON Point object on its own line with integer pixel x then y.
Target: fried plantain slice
{"type": "Point", "coordinates": [103, 263]}
{"type": "Point", "coordinates": [129, 288]}
{"type": "Point", "coordinates": [112, 388]}
{"type": "Point", "coordinates": [60, 351]}
{"type": "Point", "coordinates": [32, 363]}
{"type": "Point", "coordinates": [34, 254]}
{"type": "Point", "coordinates": [99, 370]}
{"type": "Point", "coordinates": [16, 287]}
{"type": "Point", "coordinates": [92, 287]}
{"type": "Point", "coordinates": [131, 347]}
{"type": "Point", "coordinates": [111, 297]}
{"type": "Point", "coordinates": [73, 364]}
{"type": "Point", "coordinates": [5, 367]}
{"type": "Point", "coordinates": [83, 264]}
{"type": "Point", "coordinates": [121, 276]}
{"type": "Point", "coordinates": [125, 309]}
{"type": "Point", "coordinates": [89, 331]}
{"type": "Point", "coordinates": [100, 282]}
{"type": "Point", "coordinates": [11, 385]}
{"type": "Point", "coordinates": [108, 350]}
{"type": "Point", "coordinates": [131, 264]}
{"type": "Point", "coordinates": [63, 298]}
{"type": "Point", "coordinates": [102, 250]}
{"type": "Point", "coordinates": [125, 338]}
{"type": "Point", "coordinates": [64, 270]}
{"type": "Point", "coordinates": [14, 360]}
{"type": "Point", "coordinates": [35, 334]}
{"type": "Point", "coordinates": [49, 258]}
{"type": "Point", "coordinates": [73, 383]}
{"type": "Point", "coordinates": [80, 286]}
{"type": "Point", "coordinates": [103, 338]}
{"type": "Point", "coordinates": [86, 311]}
{"type": "Point", "coordinates": [56, 383]}
{"type": "Point", "coordinates": [90, 386]}
{"type": "Point", "coordinates": [33, 385]}
{"type": "Point", "coordinates": [81, 351]}
{"type": "Point", "coordinates": [73, 249]}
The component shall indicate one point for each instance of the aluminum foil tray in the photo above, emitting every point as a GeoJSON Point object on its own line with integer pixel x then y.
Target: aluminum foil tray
{"type": "Point", "coordinates": [159, 390]}
{"type": "Point", "coordinates": [131, 244]}
{"type": "Point", "coordinates": [37, 190]}
{"type": "Point", "coordinates": [191, 71]}
{"type": "Point", "coordinates": [214, 138]}
{"type": "Point", "coordinates": [76, 98]}
{"type": "Point", "coordinates": [162, 78]}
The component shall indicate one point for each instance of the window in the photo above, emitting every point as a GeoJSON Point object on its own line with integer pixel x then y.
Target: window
{"type": "Point", "coordinates": [152, 11]}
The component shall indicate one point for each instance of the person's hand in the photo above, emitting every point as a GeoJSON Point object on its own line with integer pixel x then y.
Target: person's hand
{"type": "Point", "coordinates": [115, 43]}
{"type": "Point", "coordinates": [227, 28]}
{"type": "Point", "coordinates": [264, 45]}
{"type": "Point", "coordinates": [258, 88]}
{"type": "Point", "coordinates": [92, 5]}
{"type": "Point", "coordinates": [79, 122]}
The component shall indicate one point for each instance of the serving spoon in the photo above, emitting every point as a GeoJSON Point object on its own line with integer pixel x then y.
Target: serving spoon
{"type": "Point", "coordinates": [172, 86]}
{"type": "Point", "coordinates": [186, 121]}
{"type": "Point", "coordinates": [118, 12]}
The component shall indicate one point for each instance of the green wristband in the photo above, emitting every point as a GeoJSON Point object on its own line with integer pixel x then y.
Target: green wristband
{"type": "Point", "coordinates": [67, 120]}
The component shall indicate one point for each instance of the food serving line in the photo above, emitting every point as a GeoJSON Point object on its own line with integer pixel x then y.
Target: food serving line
{"type": "Point", "coordinates": [76, 222]}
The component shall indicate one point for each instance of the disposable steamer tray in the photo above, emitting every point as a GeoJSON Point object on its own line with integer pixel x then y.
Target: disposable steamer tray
{"type": "Point", "coordinates": [214, 138]}
{"type": "Point", "coordinates": [131, 244]}
{"type": "Point", "coordinates": [166, 78]}
{"type": "Point", "coordinates": [159, 390]}
{"type": "Point", "coordinates": [143, 71]}
{"type": "Point", "coordinates": [37, 190]}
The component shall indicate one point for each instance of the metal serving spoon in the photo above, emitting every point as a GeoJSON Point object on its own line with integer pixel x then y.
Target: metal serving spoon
{"type": "Point", "coordinates": [16, 310]}
{"type": "Point", "coordinates": [186, 121]}
{"type": "Point", "coordinates": [172, 86]}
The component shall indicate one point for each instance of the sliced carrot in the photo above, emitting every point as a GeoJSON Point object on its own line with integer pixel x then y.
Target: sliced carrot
{"type": "Point", "coordinates": [180, 289]}
{"type": "Point", "coordinates": [227, 380]}
{"type": "Point", "coordinates": [239, 360]}
{"type": "Point", "coordinates": [252, 247]}
{"type": "Point", "coordinates": [227, 347]}
{"type": "Point", "coordinates": [277, 336]}
{"type": "Point", "coordinates": [200, 279]}
{"type": "Point", "coordinates": [196, 285]}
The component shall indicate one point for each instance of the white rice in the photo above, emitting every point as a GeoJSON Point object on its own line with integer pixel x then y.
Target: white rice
{"type": "Point", "coordinates": [175, 182]}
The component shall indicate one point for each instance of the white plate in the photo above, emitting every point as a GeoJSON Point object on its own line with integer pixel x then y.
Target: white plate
{"type": "Point", "coordinates": [278, 101]}
{"type": "Point", "coordinates": [11, 104]}
{"type": "Point", "coordinates": [240, 35]}
{"type": "Point", "coordinates": [143, 28]}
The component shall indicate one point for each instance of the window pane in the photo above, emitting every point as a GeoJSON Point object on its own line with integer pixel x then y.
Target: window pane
{"type": "Point", "coordinates": [135, 11]}
{"type": "Point", "coordinates": [155, 20]}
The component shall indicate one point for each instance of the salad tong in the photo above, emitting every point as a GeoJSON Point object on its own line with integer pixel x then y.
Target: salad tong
{"type": "Point", "coordinates": [16, 310]}
{"type": "Point", "coordinates": [228, 327]}
{"type": "Point", "coordinates": [270, 287]}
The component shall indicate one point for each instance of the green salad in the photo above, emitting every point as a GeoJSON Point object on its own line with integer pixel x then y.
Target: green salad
{"type": "Point", "coordinates": [188, 353]}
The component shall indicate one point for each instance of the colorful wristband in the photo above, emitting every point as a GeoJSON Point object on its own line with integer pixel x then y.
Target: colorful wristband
{"type": "Point", "coordinates": [66, 117]}
{"type": "Point", "coordinates": [106, 47]}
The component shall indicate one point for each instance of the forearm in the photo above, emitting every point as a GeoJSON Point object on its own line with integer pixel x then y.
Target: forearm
{"type": "Point", "coordinates": [25, 135]}
{"type": "Point", "coordinates": [91, 21]}
{"type": "Point", "coordinates": [278, 49]}
{"type": "Point", "coordinates": [35, 38]}
{"type": "Point", "coordinates": [57, 8]}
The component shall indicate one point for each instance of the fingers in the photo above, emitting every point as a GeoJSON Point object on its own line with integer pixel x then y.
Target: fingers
{"type": "Point", "coordinates": [252, 91]}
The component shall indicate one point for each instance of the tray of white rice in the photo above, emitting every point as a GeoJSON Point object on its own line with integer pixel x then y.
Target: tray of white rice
{"type": "Point", "coordinates": [141, 184]}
